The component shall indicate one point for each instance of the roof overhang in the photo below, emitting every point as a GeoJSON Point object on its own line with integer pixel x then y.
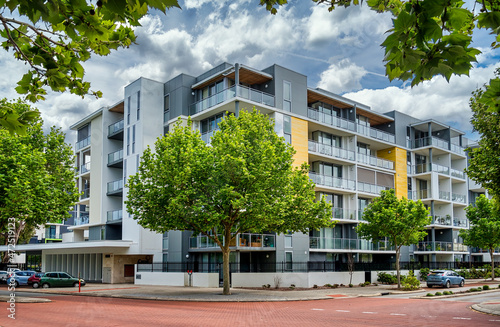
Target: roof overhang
{"type": "Point", "coordinates": [247, 74]}
{"type": "Point", "coordinates": [70, 245]}
{"type": "Point", "coordinates": [423, 126]}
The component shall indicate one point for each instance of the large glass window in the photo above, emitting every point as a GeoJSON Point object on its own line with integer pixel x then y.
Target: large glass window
{"type": "Point", "coordinates": [364, 148]}
{"type": "Point", "coordinates": [288, 241]}
{"type": "Point", "coordinates": [211, 124]}
{"type": "Point", "coordinates": [128, 110]}
{"type": "Point", "coordinates": [138, 105]}
{"type": "Point", "coordinates": [287, 96]}
{"type": "Point", "coordinates": [133, 139]}
{"type": "Point", "coordinates": [287, 128]}
{"type": "Point", "coordinates": [289, 260]}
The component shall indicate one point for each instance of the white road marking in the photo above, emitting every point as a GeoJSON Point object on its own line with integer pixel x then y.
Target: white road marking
{"type": "Point", "coordinates": [398, 314]}
{"type": "Point", "coordinates": [461, 318]}
{"type": "Point", "coordinates": [342, 310]}
{"type": "Point", "coordinates": [318, 309]}
{"type": "Point", "coordinates": [368, 312]}
{"type": "Point", "coordinates": [494, 320]}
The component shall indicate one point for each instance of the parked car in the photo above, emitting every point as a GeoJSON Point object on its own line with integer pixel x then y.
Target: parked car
{"type": "Point", "coordinates": [19, 278]}
{"type": "Point", "coordinates": [34, 280]}
{"type": "Point", "coordinates": [58, 279]}
{"type": "Point", "coordinates": [444, 278]}
{"type": "Point", "coordinates": [3, 276]}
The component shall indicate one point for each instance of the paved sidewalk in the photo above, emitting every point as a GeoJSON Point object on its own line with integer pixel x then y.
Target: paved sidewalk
{"type": "Point", "coordinates": [177, 293]}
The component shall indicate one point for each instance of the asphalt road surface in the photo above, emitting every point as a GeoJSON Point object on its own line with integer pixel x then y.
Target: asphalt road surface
{"type": "Point", "coordinates": [67, 310]}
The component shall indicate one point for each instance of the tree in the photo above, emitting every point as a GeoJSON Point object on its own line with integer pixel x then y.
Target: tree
{"type": "Point", "coordinates": [401, 221]}
{"type": "Point", "coordinates": [242, 182]}
{"type": "Point", "coordinates": [430, 37]}
{"type": "Point", "coordinates": [484, 162]}
{"type": "Point", "coordinates": [484, 231]}
{"type": "Point", "coordinates": [54, 37]}
{"type": "Point", "coordinates": [36, 178]}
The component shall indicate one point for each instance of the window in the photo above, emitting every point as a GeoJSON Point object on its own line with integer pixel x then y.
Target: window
{"type": "Point", "coordinates": [287, 128]}
{"type": "Point", "coordinates": [287, 96]}
{"type": "Point", "coordinates": [128, 141]}
{"type": "Point", "coordinates": [103, 233]}
{"type": "Point", "coordinates": [138, 105]}
{"type": "Point", "coordinates": [165, 241]}
{"type": "Point", "coordinates": [124, 171]}
{"type": "Point", "coordinates": [133, 139]}
{"type": "Point", "coordinates": [211, 124]}
{"type": "Point", "coordinates": [83, 132]}
{"type": "Point", "coordinates": [128, 110]}
{"type": "Point", "coordinates": [288, 241]}
{"type": "Point", "coordinates": [364, 148]}
{"type": "Point", "coordinates": [166, 109]}
{"type": "Point", "coordinates": [288, 260]}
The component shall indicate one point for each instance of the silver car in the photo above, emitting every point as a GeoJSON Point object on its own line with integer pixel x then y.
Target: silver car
{"type": "Point", "coordinates": [444, 278]}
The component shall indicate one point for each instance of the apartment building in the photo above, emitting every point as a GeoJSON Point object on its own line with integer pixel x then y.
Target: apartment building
{"type": "Point", "coordinates": [353, 151]}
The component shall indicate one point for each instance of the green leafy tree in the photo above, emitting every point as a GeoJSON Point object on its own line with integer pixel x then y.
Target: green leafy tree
{"type": "Point", "coordinates": [36, 178]}
{"type": "Point", "coordinates": [54, 38]}
{"type": "Point", "coordinates": [431, 37]}
{"type": "Point", "coordinates": [484, 231]}
{"type": "Point", "coordinates": [401, 221]}
{"type": "Point", "coordinates": [243, 182]}
{"type": "Point", "coordinates": [484, 162]}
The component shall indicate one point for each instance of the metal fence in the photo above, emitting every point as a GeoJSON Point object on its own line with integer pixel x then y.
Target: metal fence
{"type": "Point", "coordinates": [309, 266]}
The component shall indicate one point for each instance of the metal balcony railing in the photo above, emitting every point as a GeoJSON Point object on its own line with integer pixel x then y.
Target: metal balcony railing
{"type": "Point", "coordinates": [460, 222]}
{"type": "Point", "coordinates": [85, 168]}
{"type": "Point", "coordinates": [431, 141]}
{"type": "Point", "coordinates": [328, 243]}
{"type": "Point", "coordinates": [115, 128]}
{"type": "Point", "coordinates": [460, 198]}
{"type": "Point", "coordinates": [114, 215]}
{"type": "Point", "coordinates": [243, 240]}
{"type": "Point", "coordinates": [115, 157]}
{"type": "Point", "coordinates": [444, 195]}
{"type": "Point", "coordinates": [82, 219]}
{"type": "Point", "coordinates": [85, 194]}
{"type": "Point", "coordinates": [331, 151]}
{"type": "Point", "coordinates": [457, 173]}
{"type": "Point", "coordinates": [434, 246]}
{"type": "Point", "coordinates": [115, 186]}
{"type": "Point", "coordinates": [457, 149]}
{"type": "Point", "coordinates": [371, 188]}
{"type": "Point", "coordinates": [376, 133]}
{"type": "Point", "coordinates": [83, 143]}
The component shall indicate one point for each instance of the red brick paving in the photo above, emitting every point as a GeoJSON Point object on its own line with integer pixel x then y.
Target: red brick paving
{"type": "Point", "coordinates": [98, 311]}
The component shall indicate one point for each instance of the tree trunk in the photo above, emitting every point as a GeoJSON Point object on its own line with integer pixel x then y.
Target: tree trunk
{"type": "Point", "coordinates": [397, 268]}
{"type": "Point", "coordinates": [226, 290]}
{"type": "Point", "coordinates": [17, 233]}
{"type": "Point", "coordinates": [492, 264]}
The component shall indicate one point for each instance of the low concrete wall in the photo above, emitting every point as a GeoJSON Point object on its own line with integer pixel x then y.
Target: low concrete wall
{"type": "Point", "coordinates": [159, 278]}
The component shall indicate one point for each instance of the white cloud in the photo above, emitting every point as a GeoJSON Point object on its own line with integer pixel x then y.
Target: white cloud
{"type": "Point", "coordinates": [342, 77]}
{"type": "Point", "coordinates": [434, 99]}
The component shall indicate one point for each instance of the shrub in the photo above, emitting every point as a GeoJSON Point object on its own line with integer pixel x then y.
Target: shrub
{"type": "Point", "coordinates": [386, 278]}
{"type": "Point", "coordinates": [486, 287]}
{"type": "Point", "coordinates": [266, 286]}
{"type": "Point", "coordinates": [315, 286]}
{"type": "Point", "coordinates": [446, 293]}
{"type": "Point", "coordinates": [429, 294]}
{"type": "Point", "coordinates": [335, 285]}
{"type": "Point", "coordinates": [438, 293]}
{"type": "Point", "coordinates": [350, 285]}
{"type": "Point", "coordinates": [367, 283]}
{"type": "Point", "coordinates": [328, 285]}
{"type": "Point", "coordinates": [411, 283]}
{"type": "Point", "coordinates": [423, 273]}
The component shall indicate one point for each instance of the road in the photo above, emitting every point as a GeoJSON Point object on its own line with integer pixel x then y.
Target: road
{"type": "Point", "coordinates": [66, 310]}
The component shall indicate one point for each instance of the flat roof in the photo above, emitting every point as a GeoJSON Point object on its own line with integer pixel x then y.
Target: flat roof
{"type": "Point", "coordinates": [70, 245]}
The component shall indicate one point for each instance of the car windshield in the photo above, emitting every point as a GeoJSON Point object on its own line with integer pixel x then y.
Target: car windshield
{"type": "Point", "coordinates": [437, 273]}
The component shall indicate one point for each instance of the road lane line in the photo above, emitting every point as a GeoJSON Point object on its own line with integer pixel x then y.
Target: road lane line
{"type": "Point", "coordinates": [317, 309]}
{"type": "Point", "coordinates": [342, 310]}
{"type": "Point", "coordinates": [398, 314]}
{"type": "Point", "coordinates": [368, 312]}
{"type": "Point", "coordinates": [461, 318]}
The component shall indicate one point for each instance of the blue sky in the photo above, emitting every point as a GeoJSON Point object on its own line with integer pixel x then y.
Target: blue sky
{"type": "Point", "coordinates": [338, 51]}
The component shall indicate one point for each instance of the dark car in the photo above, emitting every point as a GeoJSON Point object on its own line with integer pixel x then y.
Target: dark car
{"type": "Point", "coordinates": [35, 279]}
{"type": "Point", "coordinates": [444, 278]}
{"type": "Point", "coordinates": [58, 279]}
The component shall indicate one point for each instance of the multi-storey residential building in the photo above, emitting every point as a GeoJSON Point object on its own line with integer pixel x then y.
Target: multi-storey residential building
{"type": "Point", "coordinates": [354, 153]}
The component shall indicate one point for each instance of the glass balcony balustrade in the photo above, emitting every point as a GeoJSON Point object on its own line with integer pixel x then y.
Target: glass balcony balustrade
{"type": "Point", "coordinates": [115, 157]}
{"type": "Point", "coordinates": [326, 243]}
{"type": "Point", "coordinates": [115, 186]}
{"type": "Point", "coordinates": [331, 120]}
{"type": "Point", "coordinates": [371, 188]}
{"type": "Point", "coordinates": [114, 215]}
{"type": "Point", "coordinates": [85, 168]}
{"type": "Point", "coordinates": [374, 161]}
{"type": "Point", "coordinates": [376, 133]}
{"type": "Point", "coordinates": [83, 143]}
{"type": "Point", "coordinates": [229, 93]}
{"type": "Point", "coordinates": [115, 128]}
{"type": "Point", "coordinates": [331, 181]}
{"type": "Point", "coordinates": [243, 240]}
{"type": "Point", "coordinates": [331, 151]}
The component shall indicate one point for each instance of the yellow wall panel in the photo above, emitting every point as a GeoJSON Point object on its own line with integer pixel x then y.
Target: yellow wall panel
{"type": "Point", "coordinates": [397, 155]}
{"type": "Point", "coordinates": [299, 141]}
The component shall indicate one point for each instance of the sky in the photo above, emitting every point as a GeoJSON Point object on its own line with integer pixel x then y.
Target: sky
{"type": "Point", "coordinates": [338, 51]}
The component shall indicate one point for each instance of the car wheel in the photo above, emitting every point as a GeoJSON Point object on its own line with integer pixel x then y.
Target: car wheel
{"type": "Point", "coordinates": [447, 285]}
{"type": "Point", "coordinates": [36, 285]}
{"type": "Point", "coordinates": [75, 284]}
{"type": "Point", "coordinates": [16, 284]}
{"type": "Point", "coordinates": [45, 285]}
{"type": "Point", "coordinates": [462, 283]}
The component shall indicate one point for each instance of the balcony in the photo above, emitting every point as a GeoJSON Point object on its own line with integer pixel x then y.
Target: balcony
{"type": "Point", "coordinates": [331, 151]}
{"type": "Point", "coordinates": [115, 159]}
{"type": "Point", "coordinates": [434, 246]}
{"type": "Point", "coordinates": [457, 149]}
{"type": "Point", "coordinates": [326, 243]}
{"type": "Point", "coordinates": [114, 216]}
{"type": "Point", "coordinates": [442, 221]}
{"type": "Point", "coordinates": [51, 234]}
{"type": "Point", "coordinates": [115, 130]}
{"type": "Point", "coordinates": [426, 168]}
{"type": "Point", "coordinates": [83, 143]}
{"type": "Point", "coordinates": [457, 173]}
{"type": "Point", "coordinates": [460, 222]}
{"type": "Point", "coordinates": [115, 188]}
{"type": "Point", "coordinates": [85, 168]}
{"type": "Point", "coordinates": [431, 141]}
{"type": "Point", "coordinates": [376, 133]}
{"type": "Point", "coordinates": [242, 241]}
{"type": "Point", "coordinates": [82, 220]}
{"type": "Point", "coordinates": [459, 198]}
{"type": "Point", "coordinates": [85, 194]}
{"type": "Point", "coordinates": [232, 92]}
{"type": "Point", "coordinates": [374, 161]}
{"type": "Point", "coordinates": [419, 195]}
{"type": "Point", "coordinates": [341, 213]}
{"type": "Point", "coordinates": [330, 119]}
{"type": "Point", "coordinates": [372, 188]}
{"type": "Point", "coordinates": [330, 181]}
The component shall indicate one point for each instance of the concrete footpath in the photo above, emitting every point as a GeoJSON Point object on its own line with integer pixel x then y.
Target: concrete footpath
{"type": "Point", "coordinates": [176, 293]}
